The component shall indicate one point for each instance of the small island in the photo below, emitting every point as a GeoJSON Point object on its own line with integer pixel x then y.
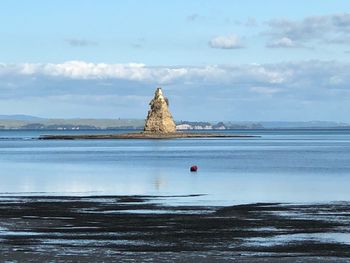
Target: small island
{"type": "Point", "coordinates": [159, 125]}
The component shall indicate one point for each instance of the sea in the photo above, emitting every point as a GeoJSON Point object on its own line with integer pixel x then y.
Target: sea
{"type": "Point", "coordinates": [281, 165]}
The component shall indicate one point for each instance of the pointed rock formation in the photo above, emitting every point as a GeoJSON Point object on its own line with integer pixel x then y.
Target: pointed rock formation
{"type": "Point", "coordinates": [159, 119]}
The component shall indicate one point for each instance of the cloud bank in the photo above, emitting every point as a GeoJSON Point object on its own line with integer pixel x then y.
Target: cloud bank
{"type": "Point", "coordinates": [292, 74]}
{"type": "Point", "coordinates": [251, 91]}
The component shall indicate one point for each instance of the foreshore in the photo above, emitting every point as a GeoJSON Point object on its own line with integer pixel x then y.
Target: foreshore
{"type": "Point", "coordinates": [142, 228]}
{"type": "Point", "coordinates": [143, 135]}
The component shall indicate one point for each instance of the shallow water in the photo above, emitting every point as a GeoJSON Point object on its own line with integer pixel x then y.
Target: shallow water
{"type": "Point", "coordinates": [280, 166]}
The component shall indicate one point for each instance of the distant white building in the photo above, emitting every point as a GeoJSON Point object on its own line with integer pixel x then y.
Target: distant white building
{"type": "Point", "coordinates": [206, 127]}
{"type": "Point", "coordinates": [184, 127]}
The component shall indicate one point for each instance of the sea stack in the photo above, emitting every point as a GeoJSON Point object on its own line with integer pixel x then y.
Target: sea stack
{"type": "Point", "coordinates": [159, 119]}
{"type": "Point", "coordinates": [159, 125]}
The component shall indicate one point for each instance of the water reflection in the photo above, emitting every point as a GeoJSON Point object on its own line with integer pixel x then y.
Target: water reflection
{"type": "Point", "coordinates": [159, 182]}
{"type": "Point", "coordinates": [277, 167]}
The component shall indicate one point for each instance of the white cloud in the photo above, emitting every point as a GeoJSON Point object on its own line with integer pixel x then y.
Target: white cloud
{"type": "Point", "coordinates": [284, 42]}
{"type": "Point", "coordinates": [226, 42]}
{"type": "Point", "coordinates": [326, 29]}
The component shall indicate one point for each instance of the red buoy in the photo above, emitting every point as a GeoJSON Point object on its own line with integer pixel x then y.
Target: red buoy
{"type": "Point", "coordinates": [194, 168]}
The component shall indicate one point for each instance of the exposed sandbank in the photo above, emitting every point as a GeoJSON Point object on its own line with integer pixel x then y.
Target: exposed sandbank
{"type": "Point", "coordinates": [142, 135]}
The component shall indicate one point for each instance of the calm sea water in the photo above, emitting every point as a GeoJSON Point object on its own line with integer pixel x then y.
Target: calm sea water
{"type": "Point", "coordinates": [279, 166]}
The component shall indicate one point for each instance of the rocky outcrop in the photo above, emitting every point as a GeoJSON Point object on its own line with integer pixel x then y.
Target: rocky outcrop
{"type": "Point", "coordinates": [159, 125]}
{"type": "Point", "coordinates": [159, 119]}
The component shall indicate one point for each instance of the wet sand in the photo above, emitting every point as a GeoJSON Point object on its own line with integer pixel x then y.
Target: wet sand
{"type": "Point", "coordinates": [142, 135]}
{"type": "Point", "coordinates": [143, 228]}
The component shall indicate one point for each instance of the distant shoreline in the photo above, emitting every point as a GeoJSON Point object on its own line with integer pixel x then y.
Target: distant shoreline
{"type": "Point", "coordinates": [24, 122]}
{"type": "Point", "coordinates": [182, 130]}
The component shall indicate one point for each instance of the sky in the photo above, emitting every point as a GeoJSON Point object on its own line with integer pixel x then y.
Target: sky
{"type": "Point", "coordinates": [218, 60]}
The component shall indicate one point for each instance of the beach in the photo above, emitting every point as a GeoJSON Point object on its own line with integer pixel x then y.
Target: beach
{"type": "Point", "coordinates": [142, 228]}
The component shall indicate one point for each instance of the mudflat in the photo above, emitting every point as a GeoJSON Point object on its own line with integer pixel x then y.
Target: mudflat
{"type": "Point", "coordinates": [143, 228]}
{"type": "Point", "coordinates": [142, 135]}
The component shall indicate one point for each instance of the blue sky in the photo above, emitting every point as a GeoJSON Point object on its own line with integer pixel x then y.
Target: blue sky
{"type": "Point", "coordinates": [216, 60]}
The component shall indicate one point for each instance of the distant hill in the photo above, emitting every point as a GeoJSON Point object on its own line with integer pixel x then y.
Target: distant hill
{"type": "Point", "coordinates": [70, 124]}
{"type": "Point", "coordinates": [304, 124]}
{"type": "Point", "coordinates": [20, 117]}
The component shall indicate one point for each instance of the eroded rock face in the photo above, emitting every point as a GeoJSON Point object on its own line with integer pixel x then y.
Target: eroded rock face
{"type": "Point", "coordinates": [159, 119]}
